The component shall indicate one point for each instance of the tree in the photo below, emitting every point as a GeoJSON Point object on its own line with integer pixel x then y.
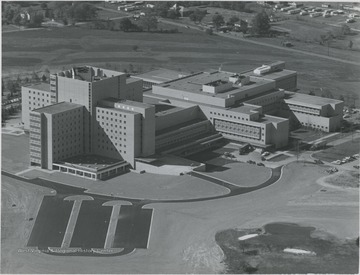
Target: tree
{"type": "Point", "coordinates": [342, 98]}
{"type": "Point", "coordinates": [44, 5]}
{"type": "Point", "coordinates": [192, 17]}
{"type": "Point", "coordinates": [83, 11]}
{"type": "Point", "coordinates": [261, 23]}
{"type": "Point", "coordinates": [173, 14]}
{"type": "Point", "coordinates": [12, 87]}
{"type": "Point", "coordinates": [218, 20]}
{"type": "Point", "coordinates": [209, 31]}
{"type": "Point", "coordinates": [243, 26]}
{"type": "Point", "coordinates": [126, 24]}
{"type": "Point", "coordinates": [35, 77]}
{"type": "Point", "coordinates": [110, 25]}
{"type": "Point", "coordinates": [43, 78]}
{"type": "Point", "coordinates": [135, 48]}
{"type": "Point", "coordinates": [161, 8]}
{"type": "Point", "coordinates": [131, 68]}
{"type": "Point", "coordinates": [345, 29]}
{"type": "Point", "coordinates": [36, 20]}
{"type": "Point", "coordinates": [311, 93]}
{"type": "Point", "coordinates": [148, 22]}
{"type": "Point", "coordinates": [197, 15]}
{"type": "Point", "coordinates": [232, 20]}
{"type": "Point", "coordinates": [350, 44]}
{"type": "Point", "coordinates": [2, 87]}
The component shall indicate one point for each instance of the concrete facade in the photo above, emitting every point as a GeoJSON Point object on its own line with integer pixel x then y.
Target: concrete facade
{"type": "Point", "coordinates": [33, 97]}
{"type": "Point", "coordinates": [105, 114]}
{"type": "Point", "coordinates": [56, 132]}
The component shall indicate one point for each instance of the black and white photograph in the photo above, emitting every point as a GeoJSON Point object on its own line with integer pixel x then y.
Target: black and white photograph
{"type": "Point", "coordinates": [180, 137]}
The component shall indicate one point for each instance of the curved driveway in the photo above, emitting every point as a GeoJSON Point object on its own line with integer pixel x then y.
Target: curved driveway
{"type": "Point", "coordinates": [235, 190]}
{"type": "Point", "coordinates": [66, 190]}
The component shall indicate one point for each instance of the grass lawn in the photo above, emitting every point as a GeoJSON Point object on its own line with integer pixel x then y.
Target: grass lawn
{"type": "Point", "coordinates": [15, 153]}
{"type": "Point", "coordinates": [147, 186]}
{"type": "Point", "coordinates": [242, 174]}
{"type": "Point", "coordinates": [340, 151]}
{"type": "Point", "coordinates": [344, 179]}
{"type": "Point", "coordinates": [189, 50]}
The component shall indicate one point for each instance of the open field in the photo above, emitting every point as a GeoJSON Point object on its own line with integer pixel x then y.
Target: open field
{"type": "Point", "coordinates": [344, 179]}
{"type": "Point", "coordinates": [189, 50]}
{"type": "Point", "coordinates": [19, 205]}
{"type": "Point", "coordinates": [182, 236]}
{"type": "Point", "coordinates": [340, 151]}
{"type": "Point", "coordinates": [15, 155]}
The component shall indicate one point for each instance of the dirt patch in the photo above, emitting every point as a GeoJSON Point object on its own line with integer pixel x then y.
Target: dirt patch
{"type": "Point", "coordinates": [265, 253]}
{"type": "Point", "coordinates": [344, 179]}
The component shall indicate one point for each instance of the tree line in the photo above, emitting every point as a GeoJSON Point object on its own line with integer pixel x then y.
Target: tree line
{"type": "Point", "coordinates": [20, 14]}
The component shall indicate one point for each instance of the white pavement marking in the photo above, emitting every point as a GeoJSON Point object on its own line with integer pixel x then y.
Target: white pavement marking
{"type": "Point", "coordinates": [24, 171]}
{"type": "Point", "coordinates": [151, 221]}
{"type": "Point", "coordinates": [249, 236]}
{"type": "Point", "coordinates": [110, 236]}
{"type": "Point", "coordinates": [73, 218]}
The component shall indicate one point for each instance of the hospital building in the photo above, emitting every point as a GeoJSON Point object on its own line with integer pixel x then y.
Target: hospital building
{"type": "Point", "coordinates": [95, 123]}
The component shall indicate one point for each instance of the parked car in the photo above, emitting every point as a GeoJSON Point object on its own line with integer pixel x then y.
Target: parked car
{"type": "Point", "coordinates": [265, 154]}
{"type": "Point", "coordinates": [260, 164]}
{"type": "Point", "coordinates": [251, 162]}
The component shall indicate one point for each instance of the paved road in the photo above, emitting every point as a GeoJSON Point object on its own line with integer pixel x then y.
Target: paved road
{"type": "Point", "coordinates": [71, 190]}
{"type": "Point", "coordinates": [63, 190]}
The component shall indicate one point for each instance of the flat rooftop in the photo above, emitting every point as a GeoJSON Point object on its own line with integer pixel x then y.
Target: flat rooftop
{"type": "Point", "coordinates": [166, 111]}
{"type": "Point", "coordinates": [88, 73]}
{"type": "Point", "coordinates": [160, 75]}
{"type": "Point", "coordinates": [271, 119]}
{"type": "Point", "coordinates": [39, 86]}
{"type": "Point", "coordinates": [127, 102]}
{"type": "Point", "coordinates": [58, 108]}
{"type": "Point", "coordinates": [238, 107]}
{"type": "Point", "coordinates": [310, 100]}
{"type": "Point", "coordinates": [93, 163]}
{"type": "Point", "coordinates": [244, 109]}
{"type": "Point", "coordinates": [194, 83]}
{"type": "Point", "coordinates": [273, 75]}
{"type": "Point", "coordinates": [131, 80]}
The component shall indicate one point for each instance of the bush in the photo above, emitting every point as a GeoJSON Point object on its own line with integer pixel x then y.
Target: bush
{"type": "Point", "coordinates": [209, 31]}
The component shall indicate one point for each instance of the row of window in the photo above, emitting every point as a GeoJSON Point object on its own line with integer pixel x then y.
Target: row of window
{"type": "Point", "coordinates": [224, 115]}
{"type": "Point", "coordinates": [314, 125]}
{"type": "Point", "coordinates": [111, 119]}
{"type": "Point", "coordinates": [239, 135]}
{"type": "Point", "coordinates": [241, 129]}
{"type": "Point", "coordinates": [111, 113]}
{"type": "Point", "coordinates": [38, 93]}
{"type": "Point", "coordinates": [303, 109]}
